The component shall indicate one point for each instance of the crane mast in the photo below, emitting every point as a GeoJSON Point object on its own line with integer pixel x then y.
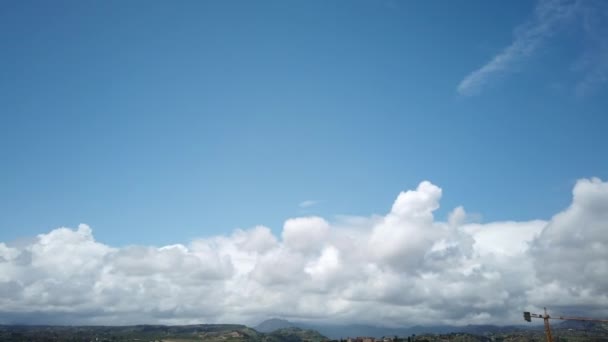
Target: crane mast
{"type": "Point", "coordinates": [528, 317]}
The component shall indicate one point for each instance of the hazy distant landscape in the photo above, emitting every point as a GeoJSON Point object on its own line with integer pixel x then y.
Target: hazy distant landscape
{"type": "Point", "coordinates": [338, 332]}
{"type": "Point", "coordinates": [276, 330]}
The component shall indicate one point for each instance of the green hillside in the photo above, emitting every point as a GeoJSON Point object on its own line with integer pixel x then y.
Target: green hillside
{"type": "Point", "coordinates": [187, 333]}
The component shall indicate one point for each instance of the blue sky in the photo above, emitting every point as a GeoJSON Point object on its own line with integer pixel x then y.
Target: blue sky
{"type": "Point", "coordinates": [158, 122]}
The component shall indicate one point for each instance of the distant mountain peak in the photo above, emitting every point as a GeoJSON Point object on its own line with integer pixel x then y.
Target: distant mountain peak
{"type": "Point", "coordinates": [273, 324]}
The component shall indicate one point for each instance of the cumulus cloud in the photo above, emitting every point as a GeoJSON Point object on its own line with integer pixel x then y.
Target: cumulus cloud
{"type": "Point", "coordinates": [572, 250]}
{"type": "Point", "coordinates": [305, 234]}
{"type": "Point", "coordinates": [401, 268]}
{"type": "Point", "coordinates": [549, 17]}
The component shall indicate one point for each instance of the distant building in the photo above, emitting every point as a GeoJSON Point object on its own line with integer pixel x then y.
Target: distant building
{"type": "Point", "coordinates": [362, 339]}
{"type": "Point", "coordinates": [235, 334]}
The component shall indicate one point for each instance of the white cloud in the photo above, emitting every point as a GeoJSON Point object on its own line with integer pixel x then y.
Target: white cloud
{"type": "Point", "coordinates": [305, 234]}
{"type": "Point", "coordinates": [402, 268]}
{"type": "Point", "coordinates": [549, 17]}
{"type": "Point", "coordinates": [307, 204]}
{"type": "Point", "coordinates": [572, 250]}
{"type": "Point", "coordinates": [408, 231]}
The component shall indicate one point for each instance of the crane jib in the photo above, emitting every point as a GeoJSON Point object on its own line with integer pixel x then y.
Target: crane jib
{"type": "Point", "coordinates": [528, 317]}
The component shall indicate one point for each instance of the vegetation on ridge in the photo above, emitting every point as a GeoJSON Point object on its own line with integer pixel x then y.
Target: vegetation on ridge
{"type": "Point", "coordinates": [185, 333]}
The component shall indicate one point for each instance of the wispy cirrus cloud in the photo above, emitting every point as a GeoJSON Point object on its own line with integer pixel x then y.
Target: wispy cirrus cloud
{"type": "Point", "coordinates": [308, 203]}
{"type": "Point", "coordinates": [594, 61]}
{"type": "Point", "coordinates": [549, 16]}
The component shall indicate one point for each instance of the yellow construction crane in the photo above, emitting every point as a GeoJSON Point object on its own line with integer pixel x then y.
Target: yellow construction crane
{"type": "Point", "coordinates": [528, 317]}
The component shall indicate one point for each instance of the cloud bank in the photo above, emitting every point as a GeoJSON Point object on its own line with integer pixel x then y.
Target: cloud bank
{"type": "Point", "coordinates": [403, 268]}
{"type": "Point", "coordinates": [551, 16]}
